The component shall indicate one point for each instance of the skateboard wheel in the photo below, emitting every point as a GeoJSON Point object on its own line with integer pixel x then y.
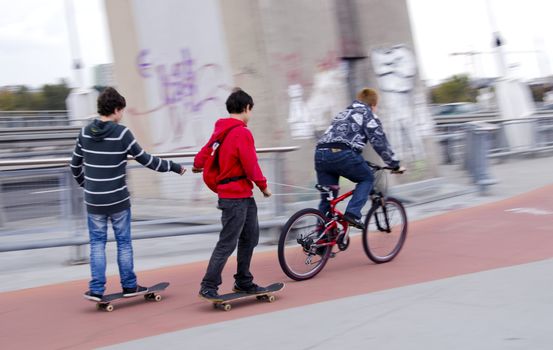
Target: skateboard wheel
{"type": "Point", "coordinates": [227, 307]}
{"type": "Point", "coordinates": [271, 298]}
{"type": "Point", "coordinates": [261, 297]}
{"type": "Point", "coordinates": [109, 308]}
{"type": "Point", "coordinates": [157, 297]}
{"type": "Point", "coordinates": [98, 306]}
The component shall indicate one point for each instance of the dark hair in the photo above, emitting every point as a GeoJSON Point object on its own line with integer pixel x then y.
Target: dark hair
{"type": "Point", "coordinates": [110, 100]}
{"type": "Point", "coordinates": [238, 101]}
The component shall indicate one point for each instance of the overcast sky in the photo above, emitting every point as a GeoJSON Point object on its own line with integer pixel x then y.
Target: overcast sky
{"type": "Point", "coordinates": [34, 45]}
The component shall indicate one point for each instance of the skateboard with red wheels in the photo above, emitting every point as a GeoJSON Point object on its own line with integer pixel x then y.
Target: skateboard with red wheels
{"type": "Point", "coordinates": [150, 295]}
{"type": "Point", "coordinates": [224, 300]}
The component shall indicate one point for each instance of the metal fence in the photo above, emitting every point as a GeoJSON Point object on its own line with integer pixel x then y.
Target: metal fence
{"type": "Point", "coordinates": [41, 206]}
{"type": "Point", "coordinates": [509, 137]}
{"type": "Point", "coordinates": [19, 119]}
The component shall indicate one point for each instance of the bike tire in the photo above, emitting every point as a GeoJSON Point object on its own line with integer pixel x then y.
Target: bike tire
{"type": "Point", "coordinates": [285, 260]}
{"type": "Point", "coordinates": [379, 245]}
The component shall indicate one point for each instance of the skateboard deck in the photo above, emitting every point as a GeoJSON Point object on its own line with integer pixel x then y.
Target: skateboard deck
{"type": "Point", "coordinates": [150, 295]}
{"type": "Point", "coordinates": [224, 300]}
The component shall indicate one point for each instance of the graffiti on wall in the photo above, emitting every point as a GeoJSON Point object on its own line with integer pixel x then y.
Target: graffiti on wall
{"type": "Point", "coordinates": [309, 116]}
{"type": "Point", "coordinates": [408, 120]}
{"type": "Point", "coordinates": [185, 90]}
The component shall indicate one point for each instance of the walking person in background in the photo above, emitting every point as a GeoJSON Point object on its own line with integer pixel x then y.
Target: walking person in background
{"type": "Point", "coordinates": [99, 166]}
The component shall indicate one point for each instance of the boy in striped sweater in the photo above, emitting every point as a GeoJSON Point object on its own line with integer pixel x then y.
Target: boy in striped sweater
{"type": "Point", "coordinates": [99, 166]}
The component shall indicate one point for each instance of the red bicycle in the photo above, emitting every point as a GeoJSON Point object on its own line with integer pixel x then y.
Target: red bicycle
{"type": "Point", "coordinates": [308, 237]}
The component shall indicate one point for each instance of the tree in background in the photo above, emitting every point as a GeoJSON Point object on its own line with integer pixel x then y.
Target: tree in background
{"type": "Point", "coordinates": [455, 89]}
{"type": "Point", "coordinates": [20, 98]}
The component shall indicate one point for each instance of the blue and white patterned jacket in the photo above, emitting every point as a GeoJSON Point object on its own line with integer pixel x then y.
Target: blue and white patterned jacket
{"type": "Point", "coordinates": [357, 125]}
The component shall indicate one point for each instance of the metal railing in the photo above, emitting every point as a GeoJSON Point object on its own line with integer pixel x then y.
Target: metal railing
{"type": "Point", "coordinates": [10, 119]}
{"type": "Point", "coordinates": [536, 135]}
{"type": "Point", "coordinates": [40, 198]}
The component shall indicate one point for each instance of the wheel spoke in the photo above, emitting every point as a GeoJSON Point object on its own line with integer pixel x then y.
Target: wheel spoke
{"type": "Point", "coordinates": [299, 256]}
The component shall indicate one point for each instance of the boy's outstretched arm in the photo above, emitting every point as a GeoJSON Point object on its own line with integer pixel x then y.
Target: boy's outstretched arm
{"type": "Point", "coordinates": [149, 161]}
{"type": "Point", "coordinates": [77, 163]}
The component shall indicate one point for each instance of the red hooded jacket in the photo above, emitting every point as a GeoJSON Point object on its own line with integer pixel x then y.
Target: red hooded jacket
{"type": "Point", "coordinates": [237, 157]}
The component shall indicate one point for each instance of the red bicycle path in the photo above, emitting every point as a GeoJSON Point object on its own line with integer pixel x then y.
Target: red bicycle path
{"type": "Point", "coordinates": [460, 242]}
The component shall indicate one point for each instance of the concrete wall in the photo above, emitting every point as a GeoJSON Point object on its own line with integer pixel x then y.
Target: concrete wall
{"type": "Point", "coordinates": [392, 67]}
{"type": "Point", "coordinates": [300, 60]}
{"type": "Point", "coordinates": [286, 52]}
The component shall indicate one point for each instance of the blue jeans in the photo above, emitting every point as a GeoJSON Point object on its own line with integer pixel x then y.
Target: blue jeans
{"type": "Point", "coordinates": [349, 164]}
{"type": "Point", "coordinates": [98, 232]}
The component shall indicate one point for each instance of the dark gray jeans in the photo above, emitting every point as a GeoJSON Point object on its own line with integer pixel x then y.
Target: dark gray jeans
{"type": "Point", "coordinates": [240, 227]}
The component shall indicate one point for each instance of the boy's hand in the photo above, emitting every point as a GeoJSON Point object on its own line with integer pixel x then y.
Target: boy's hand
{"type": "Point", "coordinates": [399, 170]}
{"type": "Point", "coordinates": [266, 192]}
{"type": "Point", "coordinates": [182, 170]}
{"type": "Point", "coordinates": [197, 170]}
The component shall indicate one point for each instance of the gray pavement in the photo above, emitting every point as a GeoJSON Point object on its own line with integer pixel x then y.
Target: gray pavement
{"type": "Point", "coordinates": [25, 269]}
{"type": "Point", "coordinates": [506, 308]}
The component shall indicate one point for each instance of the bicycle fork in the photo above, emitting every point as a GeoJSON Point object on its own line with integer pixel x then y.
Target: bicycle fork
{"type": "Point", "coordinates": [384, 213]}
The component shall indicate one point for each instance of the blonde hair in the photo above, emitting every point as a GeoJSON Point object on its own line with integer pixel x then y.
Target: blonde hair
{"type": "Point", "coordinates": [368, 96]}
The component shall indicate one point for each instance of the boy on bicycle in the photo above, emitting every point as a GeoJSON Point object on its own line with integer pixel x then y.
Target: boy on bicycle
{"type": "Point", "coordinates": [338, 153]}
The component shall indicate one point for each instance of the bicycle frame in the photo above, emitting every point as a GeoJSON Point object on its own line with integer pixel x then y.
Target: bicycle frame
{"type": "Point", "coordinates": [336, 219]}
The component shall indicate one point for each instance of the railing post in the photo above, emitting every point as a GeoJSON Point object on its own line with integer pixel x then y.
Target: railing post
{"type": "Point", "coordinates": [2, 214]}
{"type": "Point", "coordinates": [72, 209]}
{"type": "Point", "coordinates": [279, 178]}
{"type": "Point", "coordinates": [478, 142]}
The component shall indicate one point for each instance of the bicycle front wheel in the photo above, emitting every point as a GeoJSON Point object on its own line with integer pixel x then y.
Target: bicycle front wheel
{"type": "Point", "coordinates": [386, 230]}
{"type": "Point", "coordinates": [299, 251]}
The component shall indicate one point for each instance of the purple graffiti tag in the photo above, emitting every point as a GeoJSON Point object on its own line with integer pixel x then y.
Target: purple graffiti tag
{"type": "Point", "coordinates": [179, 81]}
{"type": "Point", "coordinates": [184, 89]}
{"type": "Point", "coordinates": [142, 64]}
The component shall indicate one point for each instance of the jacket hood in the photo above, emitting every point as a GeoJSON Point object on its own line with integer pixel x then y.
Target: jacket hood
{"type": "Point", "coordinates": [223, 125]}
{"type": "Point", "coordinates": [99, 130]}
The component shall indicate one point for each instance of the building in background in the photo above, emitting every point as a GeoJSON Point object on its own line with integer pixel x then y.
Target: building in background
{"type": "Point", "coordinates": [103, 75]}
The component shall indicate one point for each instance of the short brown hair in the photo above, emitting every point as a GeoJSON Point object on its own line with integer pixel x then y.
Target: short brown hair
{"type": "Point", "coordinates": [109, 101]}
{"type": "Point", "coordinates": [368, 96]}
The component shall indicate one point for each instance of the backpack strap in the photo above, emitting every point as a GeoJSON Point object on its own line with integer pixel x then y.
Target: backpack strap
{"type": "Point", "coordinates": [216, 144]}
{"type": "Point", "coordinates": [232, 179]}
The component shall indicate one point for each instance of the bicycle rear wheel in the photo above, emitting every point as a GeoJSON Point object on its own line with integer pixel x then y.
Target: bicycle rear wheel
{"type": "Point", "coordinates": [299, 255]}
{"type": "Point", "coordinates": [386, 231]}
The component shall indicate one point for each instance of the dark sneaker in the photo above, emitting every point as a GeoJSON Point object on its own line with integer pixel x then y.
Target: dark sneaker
{"type": "Point", "coordinates": [131, 292]}
{"type": "Point", "coordinates": [209, 294]}
{"type": "Point", "coordinates": [251, 289]}
{"type": "Point", "coordinates": [353, 221]}
{"type": "Point", "coordinates": [91, 296]}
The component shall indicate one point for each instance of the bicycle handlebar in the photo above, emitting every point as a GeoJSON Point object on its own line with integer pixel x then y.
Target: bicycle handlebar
{"type": "Point", "coordinates": [393, 170]}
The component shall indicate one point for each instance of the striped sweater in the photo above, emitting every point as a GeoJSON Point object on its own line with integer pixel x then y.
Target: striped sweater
{"type": "Point", "coordinates": [99, 164]}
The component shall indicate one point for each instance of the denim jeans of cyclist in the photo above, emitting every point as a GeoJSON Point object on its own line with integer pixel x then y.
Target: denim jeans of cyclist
{"type": "Point", "coordinates": [240, 228]}
{"type": "Point", "coordinates": [330, 165]}
{"type": "Point", "coordinates": [98, 230]}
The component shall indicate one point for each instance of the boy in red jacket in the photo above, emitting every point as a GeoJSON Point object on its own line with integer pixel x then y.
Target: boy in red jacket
{"type": "Point", "coordinates": [238, 170]}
